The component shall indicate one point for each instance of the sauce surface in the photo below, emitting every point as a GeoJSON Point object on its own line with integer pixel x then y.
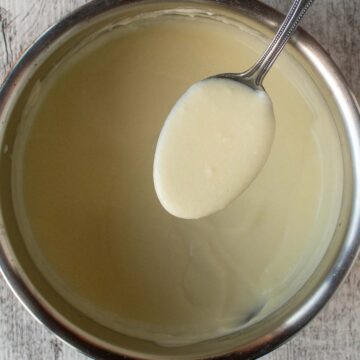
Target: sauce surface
{"type": "Point", "coordinates": [86, 204]}
{"type": "Point", "coordinates": [213, 143]}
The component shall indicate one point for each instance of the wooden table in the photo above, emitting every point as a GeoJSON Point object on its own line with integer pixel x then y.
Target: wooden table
{"type": "Point", "coordinates": [335, 333]}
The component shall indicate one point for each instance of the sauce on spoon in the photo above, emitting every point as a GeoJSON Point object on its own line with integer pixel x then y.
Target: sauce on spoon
{"type": "Point", "coordinates": [213, 143]}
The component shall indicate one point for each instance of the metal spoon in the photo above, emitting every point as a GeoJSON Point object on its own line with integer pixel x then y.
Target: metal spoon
{"type": "Point", "coordinates": [255, 75]}
{"type": "Point", "coordinates": [218, 137]}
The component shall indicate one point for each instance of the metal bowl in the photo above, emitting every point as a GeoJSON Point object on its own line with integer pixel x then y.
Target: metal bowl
{"type": "Point", "coordinates": [47, 306]}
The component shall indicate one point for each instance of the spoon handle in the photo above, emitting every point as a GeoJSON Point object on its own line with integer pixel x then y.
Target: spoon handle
{"type": "Point", "coordinates": [257, 73]}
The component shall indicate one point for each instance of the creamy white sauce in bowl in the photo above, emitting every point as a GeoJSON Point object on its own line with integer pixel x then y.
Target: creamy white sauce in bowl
{"type": "Point", "coordinates": [88, 211]}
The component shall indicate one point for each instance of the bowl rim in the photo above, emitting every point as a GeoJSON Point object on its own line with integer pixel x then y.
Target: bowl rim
{"type": "Point", "coordinates": [351, 112]}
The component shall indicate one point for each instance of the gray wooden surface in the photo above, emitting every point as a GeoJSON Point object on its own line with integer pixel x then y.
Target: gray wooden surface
{"type": "Point", "coordinates": [335, 333]}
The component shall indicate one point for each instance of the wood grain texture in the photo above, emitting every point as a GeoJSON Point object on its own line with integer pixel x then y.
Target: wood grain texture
{"type": "Point", "coordinates": [335, 332]}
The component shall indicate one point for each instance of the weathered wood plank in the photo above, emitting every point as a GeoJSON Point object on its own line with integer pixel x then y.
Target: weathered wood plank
{"type": "Point", "coordinates": [335, 333]}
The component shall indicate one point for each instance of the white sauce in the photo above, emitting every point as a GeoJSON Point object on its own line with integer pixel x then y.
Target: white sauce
{"type": "Point", "coordinates": [84, 196]}
{"type": "Point", "coordinates": [213, 144]}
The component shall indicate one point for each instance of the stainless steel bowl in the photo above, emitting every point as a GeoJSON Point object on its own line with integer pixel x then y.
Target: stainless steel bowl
{"type": "Point", "coordinates": [47, 306]}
